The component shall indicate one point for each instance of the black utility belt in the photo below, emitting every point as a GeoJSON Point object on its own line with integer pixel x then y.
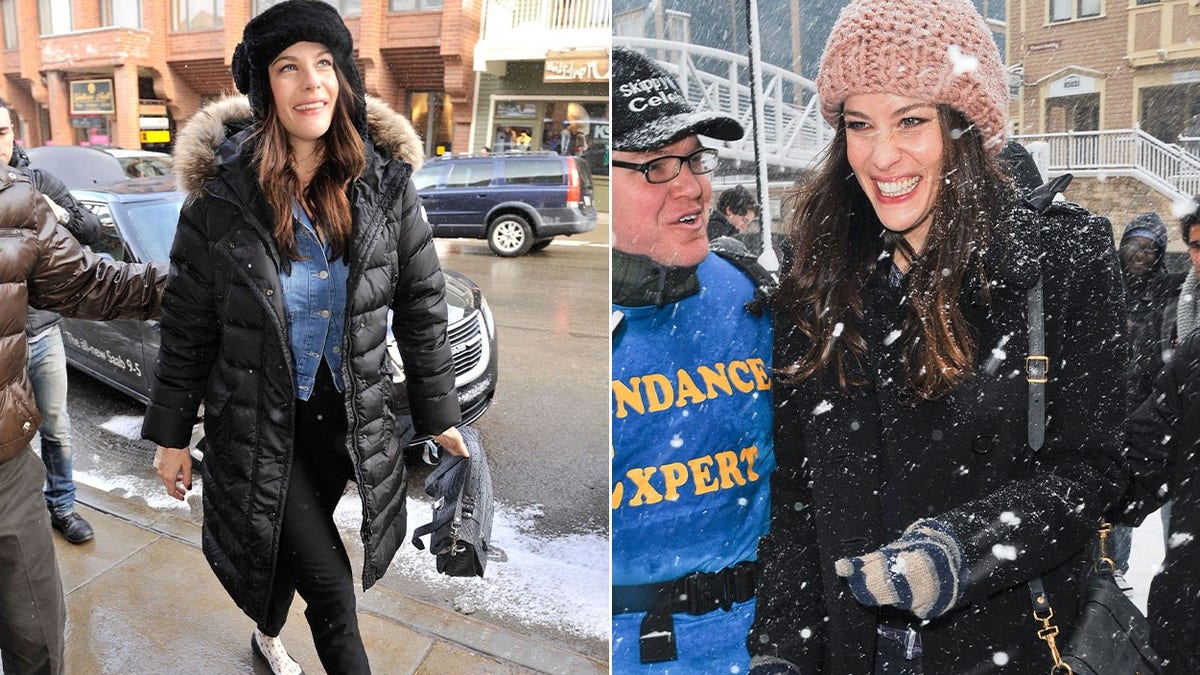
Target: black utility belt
{"type": "Point", "coordinates": [695, 593]}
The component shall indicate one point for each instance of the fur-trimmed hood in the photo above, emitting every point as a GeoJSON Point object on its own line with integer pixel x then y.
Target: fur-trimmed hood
{"type": "Point", "coordinates": [197, 148]}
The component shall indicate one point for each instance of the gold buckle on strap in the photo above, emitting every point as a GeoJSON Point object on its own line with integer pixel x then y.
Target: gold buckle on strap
{"type": "Point", "coordinates": [1037, 369]}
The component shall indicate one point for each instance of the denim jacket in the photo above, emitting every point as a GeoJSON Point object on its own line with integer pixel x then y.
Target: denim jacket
{"type": "Point", "coordinates": [314, 292]}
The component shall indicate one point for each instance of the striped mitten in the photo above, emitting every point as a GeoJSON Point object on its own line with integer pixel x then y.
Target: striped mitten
{"type": "Point", "coordinates": [922, 571]}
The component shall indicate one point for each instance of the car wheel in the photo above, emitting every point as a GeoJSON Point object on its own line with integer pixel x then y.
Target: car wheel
{"type": "Point", "coordinates": [510, 236]}
{"type": "Point", "coordinates": [540, 244]}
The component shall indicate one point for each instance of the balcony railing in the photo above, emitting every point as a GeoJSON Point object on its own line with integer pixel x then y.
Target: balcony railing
{"type": "Point", "coordinates": [507, 16]}
{"type": "Point", "coordinates": [1167, 167]}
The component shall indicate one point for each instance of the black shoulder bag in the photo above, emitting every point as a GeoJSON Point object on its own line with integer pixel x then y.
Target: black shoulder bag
{"type": "Point", "coordinates": [462, 511]}
{"type": "Point", "coordinates": [1110, 636]}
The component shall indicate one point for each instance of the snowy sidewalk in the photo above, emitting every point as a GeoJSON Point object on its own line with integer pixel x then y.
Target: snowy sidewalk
{"type": "Point", "coordinates": [141, 599]}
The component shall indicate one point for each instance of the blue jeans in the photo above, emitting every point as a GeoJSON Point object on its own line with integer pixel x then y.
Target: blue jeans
{"type": "Point", "coordinates": [48, 374]}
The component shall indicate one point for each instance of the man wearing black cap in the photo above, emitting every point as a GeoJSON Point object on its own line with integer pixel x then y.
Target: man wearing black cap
{"type": "Point", "coordinates": [692, 442]}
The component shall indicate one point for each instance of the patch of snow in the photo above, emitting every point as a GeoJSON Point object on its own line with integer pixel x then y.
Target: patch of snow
{"type": "Point", "coordinates": [560, 582]}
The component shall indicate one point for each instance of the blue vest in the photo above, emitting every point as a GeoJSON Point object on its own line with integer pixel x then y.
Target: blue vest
{"type": "Point", "coordinates": [692, 452]}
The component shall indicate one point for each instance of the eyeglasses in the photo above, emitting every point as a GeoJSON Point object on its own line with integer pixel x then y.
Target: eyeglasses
{"type": "Point", "coordinates": [664, 169]}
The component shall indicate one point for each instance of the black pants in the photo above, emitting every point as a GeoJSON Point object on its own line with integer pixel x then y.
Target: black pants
{"type": "Point", "coordinates": [312, 559]}
{"type": "Point", "coordinates": [32, 610]}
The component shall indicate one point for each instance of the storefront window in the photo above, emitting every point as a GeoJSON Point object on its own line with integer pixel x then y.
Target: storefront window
{"type": "Point", "coordinates": [197, 14]}
{"type": "Point", "coordinates": [91, 130]}
{"type": "Point", "coordinates": [577, 128]}
{"type": "Point", "coordinates": [433, 116]}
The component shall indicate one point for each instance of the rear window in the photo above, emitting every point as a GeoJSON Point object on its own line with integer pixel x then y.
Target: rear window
{"type": "Point", "coordinates": [470, 174]}
{"type": "Point", "coordinates": [427, 176]}
{"type": "Point", "coordinates": [533, 172]}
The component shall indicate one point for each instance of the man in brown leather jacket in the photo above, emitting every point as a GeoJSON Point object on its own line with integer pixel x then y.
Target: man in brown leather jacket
{"type": "Point", "coordinates": [43, 266]}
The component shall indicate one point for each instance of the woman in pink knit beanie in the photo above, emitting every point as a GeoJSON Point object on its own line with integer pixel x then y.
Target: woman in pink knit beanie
{"type": "Point", "coordinates": [920, 483]}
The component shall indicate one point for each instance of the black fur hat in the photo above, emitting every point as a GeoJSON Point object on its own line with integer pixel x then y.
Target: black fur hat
{"type": "Point", "coordinates": [282, 26]}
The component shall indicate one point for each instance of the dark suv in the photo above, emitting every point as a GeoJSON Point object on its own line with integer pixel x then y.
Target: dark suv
{"type": "Point", "coordinates": [519, 202]}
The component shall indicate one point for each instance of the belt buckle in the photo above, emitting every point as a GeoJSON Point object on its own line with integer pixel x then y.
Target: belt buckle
{"type": "Point", "coordinates": [695, 598]}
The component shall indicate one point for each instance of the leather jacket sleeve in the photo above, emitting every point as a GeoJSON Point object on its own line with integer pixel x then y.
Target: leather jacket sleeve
{"type": "Point", "coordinates": [73, 281]}
{"type": "Point", "coordinates": [419, 321]}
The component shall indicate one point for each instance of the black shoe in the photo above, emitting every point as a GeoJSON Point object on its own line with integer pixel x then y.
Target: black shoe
{"type": "Point", "coordinates": [73, 527]}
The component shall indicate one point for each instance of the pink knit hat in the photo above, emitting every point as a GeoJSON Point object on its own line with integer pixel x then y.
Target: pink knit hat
{"type": "Point", "coordinates": [937, 50]}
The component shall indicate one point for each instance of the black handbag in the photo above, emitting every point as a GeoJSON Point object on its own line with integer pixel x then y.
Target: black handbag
{"type": "Point", "coordinates": [1110, 637]}
{"type": "Point", "coordinates": [461, 528]}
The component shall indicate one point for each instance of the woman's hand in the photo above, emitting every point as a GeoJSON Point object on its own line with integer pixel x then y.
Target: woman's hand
{"type": "Point", "coordinates": [174, 466]}
{"type": "Point", "coordinates": [453, 442]}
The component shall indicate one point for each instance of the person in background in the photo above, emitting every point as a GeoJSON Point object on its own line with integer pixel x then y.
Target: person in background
{"type": "Point", "coordinates": [1151, 295]}
{"type": "Point", "coordinates": [1187, 316]}
{"type": "Point", "coordinates": [736, 210]}
{"type": "Point", "coordinates": [47, 359]}
{"type": "Point", "coordinates": [301, 232]}
{"type": "Point", "coordinates": [1164, 453]}
{"type": "Point", "coordinates": [691, 377]}
{"type": "Point", "coordinates": [917, 490]}
{"type": "Point", "coordinates": [43, 266]}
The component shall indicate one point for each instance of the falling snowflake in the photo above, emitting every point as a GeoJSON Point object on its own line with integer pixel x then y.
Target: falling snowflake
{"type": "Point", "coordinates": [1000, 658]}
{"type": "Point", "coordinates": [676, 441]}
{"type": "Point", "coordinates": [1009, 518]}
{"type": "Point", "coordinates": [1004, 551]}
{"type": "Point", "coordinates": [1179, 539]}
{"type": "Point", "coordinates": [822, 408]}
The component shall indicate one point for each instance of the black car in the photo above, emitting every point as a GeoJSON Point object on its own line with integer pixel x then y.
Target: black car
{"type": "Point", "coordinates": [138, 219]}
{"type": "Point", "coordinates": [518, 201]}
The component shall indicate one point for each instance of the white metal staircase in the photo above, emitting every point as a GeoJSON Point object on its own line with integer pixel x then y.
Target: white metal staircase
{"type": "Point", "coordinates": [718, 80]}
{"type": "Point", "coordinates": [1166, 167]}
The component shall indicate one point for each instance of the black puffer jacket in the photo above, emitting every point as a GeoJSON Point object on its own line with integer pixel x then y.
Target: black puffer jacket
{"type": "Point", "coordinates": [224, 341]}
{"type": "Point", "coordinates": [83, 225]}
{"type": "Point", "coordinates": [856, 468]}
{"type": "Point", "coordinates": [1164, 442]}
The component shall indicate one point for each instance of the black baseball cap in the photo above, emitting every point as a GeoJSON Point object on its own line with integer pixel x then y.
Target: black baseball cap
{"type": "Point", "coordinates": [650, 110]}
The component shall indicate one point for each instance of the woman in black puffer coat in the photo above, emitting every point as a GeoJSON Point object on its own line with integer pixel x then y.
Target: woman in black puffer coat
{"type": "Point", "coordinates": [301, 230]}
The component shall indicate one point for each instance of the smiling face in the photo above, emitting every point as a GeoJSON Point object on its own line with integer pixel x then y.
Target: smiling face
{"type": "Point", "coordinates": [894, 145]}
{"type": "Point", "coordinates": [304, 88]}
{"type": "Point", "coordinates": [667, 222]}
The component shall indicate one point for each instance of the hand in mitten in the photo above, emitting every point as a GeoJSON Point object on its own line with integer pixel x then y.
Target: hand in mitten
{"type": "Point", "coordinates": [922, 571]}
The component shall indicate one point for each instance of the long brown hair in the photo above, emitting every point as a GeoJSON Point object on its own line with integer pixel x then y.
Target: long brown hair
{"type": "Point", "coordinates": [838, 241]}
{"type": "Point", "coordinates": [342, 161]}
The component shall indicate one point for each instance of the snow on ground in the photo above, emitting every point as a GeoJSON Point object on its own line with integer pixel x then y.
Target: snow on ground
{"type": "Point", "coordinates": [560, 582]}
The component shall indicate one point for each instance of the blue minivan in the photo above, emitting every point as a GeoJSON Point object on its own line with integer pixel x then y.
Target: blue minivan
{"type": "Point", "coordinates": [517, 201]}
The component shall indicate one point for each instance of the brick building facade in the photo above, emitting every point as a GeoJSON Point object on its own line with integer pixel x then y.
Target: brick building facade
{"type": "Point", "coordinates": [128, 72]}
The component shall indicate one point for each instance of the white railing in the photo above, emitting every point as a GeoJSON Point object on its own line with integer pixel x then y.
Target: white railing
{"type": "Point", "coordinates": [1166, 167]}
{"type": "Point", "coordinates": [507, 16]}
{"type": "Point", "coordinates": [718, 80]}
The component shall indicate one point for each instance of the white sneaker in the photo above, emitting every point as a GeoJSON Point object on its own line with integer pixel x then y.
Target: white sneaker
{"type": "Point", "coordinates": [270, 649]}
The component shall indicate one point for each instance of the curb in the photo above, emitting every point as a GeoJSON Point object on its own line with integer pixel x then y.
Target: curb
{"type": "Point", "coordinates": [472, 634]}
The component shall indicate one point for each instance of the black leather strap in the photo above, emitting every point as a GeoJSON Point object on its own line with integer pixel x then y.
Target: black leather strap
{"type": "Point", "coordinates": [1037, 367]}
{"type": "Point", "coordinates": [696, 593]}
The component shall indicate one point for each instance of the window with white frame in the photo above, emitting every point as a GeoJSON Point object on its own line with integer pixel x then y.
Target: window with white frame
{"type": "Point", "coordinates": [414, 5]}
{"type": "Point", "coordinates": [54, 16]}
{"type": "Point", "coordinates": [344, 7]}
{"type": "Point", "coordinates": [1069, 10]}
{"type": "Point", "coordinates": [125, 13]}
{"type": "Point", "coordinates": [8, 14]}
{"type": "Point", "coordinates": [197, 14]}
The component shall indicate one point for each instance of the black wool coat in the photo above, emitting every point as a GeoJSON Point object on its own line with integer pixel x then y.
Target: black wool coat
{"type": "Point", "coordinates": [224, 342]}
{"type": "Point", "coordinates": [1164, 454]}
{"type": "Point", "coordinates": [855, 469]}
